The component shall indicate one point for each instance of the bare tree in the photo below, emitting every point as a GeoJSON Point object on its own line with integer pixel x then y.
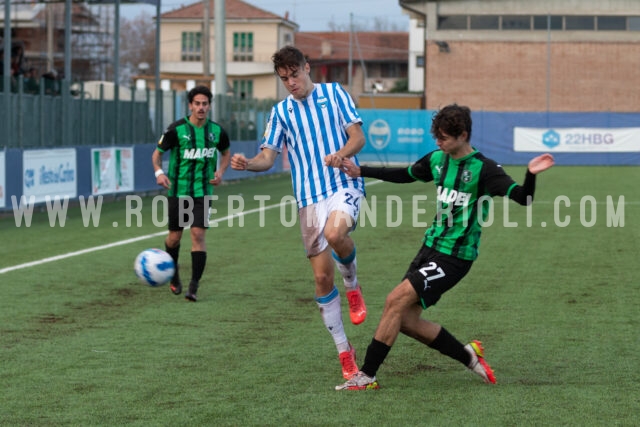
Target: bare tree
{"type": "Point", "coordinates": [380, 24]}
{"type": "Point", "coordinates": [137, 46]}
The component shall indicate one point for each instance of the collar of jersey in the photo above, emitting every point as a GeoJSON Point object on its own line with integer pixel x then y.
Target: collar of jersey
{"type": "Point", "coordinates": [462, 159]}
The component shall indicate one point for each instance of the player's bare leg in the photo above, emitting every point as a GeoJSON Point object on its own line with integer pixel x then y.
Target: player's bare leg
{"type": "Point", "coordinates": [336, 231]}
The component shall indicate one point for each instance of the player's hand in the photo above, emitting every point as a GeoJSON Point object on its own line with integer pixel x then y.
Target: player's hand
{"type": "Point", "coordinates": [163, 180]}
{"type": "Point", "coordinates": [239, 162]}
{"type": "Point", "coordinates": [333, 160]}
{"type": "Point", "coordinates": [350, 168]}
{"type": "Point", "coordinates": [217, 178]}
{"type": "Point", "coordinates": [541, 163]}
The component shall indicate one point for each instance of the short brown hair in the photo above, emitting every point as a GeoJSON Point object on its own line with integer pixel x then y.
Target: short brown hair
{"type": "Point", "coordinates": [288, 57]}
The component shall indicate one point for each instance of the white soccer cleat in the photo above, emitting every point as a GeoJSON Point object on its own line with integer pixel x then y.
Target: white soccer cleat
{"type": "Point", "coordinates": [360, 381]}
{"type": "Point", "coordinates": [478, 365]}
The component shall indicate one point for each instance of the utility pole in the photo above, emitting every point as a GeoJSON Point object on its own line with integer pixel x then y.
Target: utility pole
{"type": "Point", "coordinates": [221, 58]}
{"type": "Point", "coordinates": [50, 29]}
{"type": "Point", "coordinates": [6, 71]}
{"type": "Point", "coordinates": [206, 37]}
{"type": "Point", "coordinates": [350, 67]}
{"type": "Point", "coordinates": [66, 81]}
{"type": "Point", "coordinates": [158, 91]}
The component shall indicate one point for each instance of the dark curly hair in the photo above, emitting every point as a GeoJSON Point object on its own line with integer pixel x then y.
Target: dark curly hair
{"type": "Point", "coordinates": [452, 120]}
{"type": "Point", "coordinates": [199, 90]}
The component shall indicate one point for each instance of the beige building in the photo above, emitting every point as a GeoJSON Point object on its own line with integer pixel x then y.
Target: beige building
{"type": "Point", "coordinates": [252, 36]}
{"type": "Point", "coordinates": [524, 55]}
{"type": "Point", "coordinates": [378, 59]}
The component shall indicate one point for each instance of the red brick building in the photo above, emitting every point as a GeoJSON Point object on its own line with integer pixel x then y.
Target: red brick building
{"type": "Point", "coordinates": [519, 55]}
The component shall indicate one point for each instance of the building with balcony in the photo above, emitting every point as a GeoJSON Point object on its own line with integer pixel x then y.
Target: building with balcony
{"type": "Point", "coordinates": [252, 35]}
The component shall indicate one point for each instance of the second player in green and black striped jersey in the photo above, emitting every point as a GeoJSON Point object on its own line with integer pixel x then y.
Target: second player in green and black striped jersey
{"type": "Point", "coordinates": [194, 143]}
{"type": "Point", "coordinates": [465, 181]}
{"type": "Point", "coordinates": [194, 156]}
{"type": "Point", "coordinates": [463, 188]}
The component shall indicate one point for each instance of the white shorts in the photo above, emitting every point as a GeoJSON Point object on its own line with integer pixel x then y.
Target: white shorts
{"type": "Point", "coordinates": [313, 218]}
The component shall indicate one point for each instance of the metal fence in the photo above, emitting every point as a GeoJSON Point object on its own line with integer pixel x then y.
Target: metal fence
{"type": "Point", "coordinates": [79, 117]}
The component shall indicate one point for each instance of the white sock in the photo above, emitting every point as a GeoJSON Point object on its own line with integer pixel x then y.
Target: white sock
{"type": "Point", "coordinates": [331, 313]}
{"type": "Point", "coordinates": [348, 268]}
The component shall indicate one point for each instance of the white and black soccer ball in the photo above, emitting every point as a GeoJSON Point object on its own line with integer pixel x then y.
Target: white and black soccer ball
{"type": "Point", "coordinates": [154, 267]}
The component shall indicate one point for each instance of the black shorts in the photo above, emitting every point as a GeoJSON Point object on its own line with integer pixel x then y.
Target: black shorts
{"type": "Point", "coordinates": [188, 211]}
{"type": "Point", "coordinates": [433, 273]}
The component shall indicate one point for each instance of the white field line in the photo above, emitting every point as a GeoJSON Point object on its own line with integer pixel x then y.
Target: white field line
{"type": "Point", "coordinates": [124, 242]}
{"type": "Point", "coordinates": [136, 239]}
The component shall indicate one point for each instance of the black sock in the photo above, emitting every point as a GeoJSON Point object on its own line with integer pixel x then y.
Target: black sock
{"type": "Point", "coordinates": [448, 345]}
{"type": "Point", "coordinates": [198, 261]}
{"type": "Point", "coordinates": [376, 353]}
{"type": "Point", "coordinates": [174, 252]}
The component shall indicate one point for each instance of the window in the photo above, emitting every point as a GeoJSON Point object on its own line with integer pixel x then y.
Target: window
{"type": "Point", "coordinates": [191, 49]}
{"type": "Point", "coordinates": [542, 21]}
{"type": "Point", "coordinates": [455, 22]}
{"type": "Point", "coordinates": [539, 22]}
{"type": "Point", "coordinates": [482, 22]}
{"type": "Point", "coordinates": [243, 89]}
{"type": "Point", "coordinates": [338, 74]}
{"type": "Point", "coordinates": [392, 70]}
{"type": "Point", "coordinates": [243, 47]}
{"type": "Point", "coordinates": [516, 22]}
{"type": "Point", "coordinates": [612, 23]}
{"type": "Point", "coordinates": [420, 61]}
{"type": "Point", "coordinates": [579, 23]}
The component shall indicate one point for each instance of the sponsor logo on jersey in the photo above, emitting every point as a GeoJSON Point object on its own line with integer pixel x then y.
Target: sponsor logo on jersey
{"type": "Point", "coordinates": [458, 198]}
{"type": "Point", "coordinates": [322, 102]}
{"type": "Point", "coordinates": [267, 129]}
{"type": "Point", "coordinates": [438, 171]}
{"type": "Point", "coordinates": [198, 153]}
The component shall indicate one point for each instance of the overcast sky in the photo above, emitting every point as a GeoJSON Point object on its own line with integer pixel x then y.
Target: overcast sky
{"type": "Point", "coordinates": [310, 15]}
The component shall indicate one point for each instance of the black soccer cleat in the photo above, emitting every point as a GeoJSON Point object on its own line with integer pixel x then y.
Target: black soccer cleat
{"type": "Point", "coordinates": [176, 287]}
{"type": "Point", "coordinates": [176, 283]}
{"type": "Point", "coordinates": [191, 294]}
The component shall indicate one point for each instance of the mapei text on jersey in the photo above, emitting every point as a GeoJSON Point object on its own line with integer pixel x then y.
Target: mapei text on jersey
{"type": "Point", "coordinates": [199, 153]}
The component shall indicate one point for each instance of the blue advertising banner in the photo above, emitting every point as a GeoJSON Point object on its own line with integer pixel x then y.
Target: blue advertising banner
{"type": "Point", "coordinates": [396, 136]}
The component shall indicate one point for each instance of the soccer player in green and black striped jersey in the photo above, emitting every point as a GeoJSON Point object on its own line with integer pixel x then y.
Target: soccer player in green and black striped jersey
{"type": "Point", "coordinates": [465, 181]}
{"type": "Point", "coordinates": [195, 142]}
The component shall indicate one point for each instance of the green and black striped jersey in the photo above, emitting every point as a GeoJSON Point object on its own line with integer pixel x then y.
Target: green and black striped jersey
{"type": "Point", "coordinates": [194, 156]}
{"type": "Point", "coordinates": [464, 190]}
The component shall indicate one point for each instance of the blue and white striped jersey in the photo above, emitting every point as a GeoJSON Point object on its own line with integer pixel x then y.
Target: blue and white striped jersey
{"type": "Point", "coordinates": [311, 129]}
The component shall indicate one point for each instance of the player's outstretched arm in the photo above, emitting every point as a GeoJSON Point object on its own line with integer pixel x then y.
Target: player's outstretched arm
{"type": "Point", "coordinates": [541, 163]}
{"type": "Point", "coordinates": [352, 147]}
{"type": "Point", "coordinates": [262, 162]}
{"type": "Point", "coordinates": [350, 168]}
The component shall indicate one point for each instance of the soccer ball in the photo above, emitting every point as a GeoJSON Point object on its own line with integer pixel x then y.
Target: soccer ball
{"type": "Point", "coordinates": [154, 267]}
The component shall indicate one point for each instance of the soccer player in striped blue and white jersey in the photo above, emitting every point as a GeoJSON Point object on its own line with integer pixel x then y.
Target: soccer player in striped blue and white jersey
{"type": "Point", "coordinates": [319, 126]}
